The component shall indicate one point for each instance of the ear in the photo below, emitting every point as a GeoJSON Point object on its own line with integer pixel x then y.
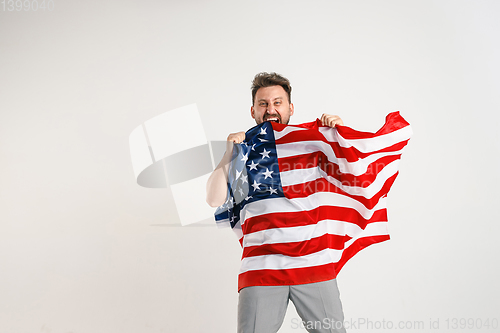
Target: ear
{"type": "Point", "coordinates": [291, 109]}
{"type": "Point", "coordinates": [252, 112]}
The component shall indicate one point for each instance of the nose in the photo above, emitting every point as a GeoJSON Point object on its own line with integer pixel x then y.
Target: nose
{"type": "Point", "coordinates": [271, 109]}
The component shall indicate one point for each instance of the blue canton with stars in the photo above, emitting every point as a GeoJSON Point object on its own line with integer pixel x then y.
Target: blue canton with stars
{"type": "Point", "coordinates": [253, 173]}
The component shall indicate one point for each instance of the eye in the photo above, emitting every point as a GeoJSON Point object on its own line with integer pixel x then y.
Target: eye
{"type": "Point", "coordinates": [277, 102]}
{"type": "Point", "coordinates": [262, 104]}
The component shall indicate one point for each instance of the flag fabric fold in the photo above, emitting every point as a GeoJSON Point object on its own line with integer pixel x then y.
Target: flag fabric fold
{"type": "Point", "coordinates": [304, 199]}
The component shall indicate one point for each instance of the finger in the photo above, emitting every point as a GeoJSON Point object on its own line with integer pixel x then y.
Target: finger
{"type": "Point", "coordinates": [324, 119]}
{"type": "Point", "coordinates": [331, 122]}
{"type": "Point", "coordinates": [338, 121]}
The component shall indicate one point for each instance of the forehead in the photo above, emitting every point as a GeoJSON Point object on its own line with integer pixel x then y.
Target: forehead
{"type": "Point", "coordinates": [270, 93]}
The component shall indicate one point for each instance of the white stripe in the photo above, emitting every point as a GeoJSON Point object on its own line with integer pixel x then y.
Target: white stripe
{"type": "Point", "coordinates": [299, 176]}
{"type": "Point", "coordinates": [279, 261]}
{"type": "Point", "coordinates": [289, 129]}
{"type": "Point", "coordinates": [365, 145]}
{"type": "Point", "coordinates": [284, 205]}
{"type": "Point", "coordinates": [326, 256]}
{"type": "Point", "coordinates": [356, 168]}
{"type": "Point", "coordinates": [301, 233]}
{"type": "Point", "coordinates": [369, 144]}
{"type": "Point", "coordinates": [372, 229]}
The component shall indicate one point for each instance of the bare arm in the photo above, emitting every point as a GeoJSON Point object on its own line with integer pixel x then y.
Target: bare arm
{"type": "Point", "coordinates": [217, 183]}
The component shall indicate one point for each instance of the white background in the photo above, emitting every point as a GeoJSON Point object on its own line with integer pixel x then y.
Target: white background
{"type": "Point", "coordinates": [84, 249]}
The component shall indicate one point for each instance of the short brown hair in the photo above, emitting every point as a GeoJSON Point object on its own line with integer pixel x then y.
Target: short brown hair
{"type": "Point", "coordinates": [265, 79]}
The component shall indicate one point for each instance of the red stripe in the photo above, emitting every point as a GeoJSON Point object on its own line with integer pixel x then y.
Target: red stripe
{"type": "Point", "coordinates": [304, 161]}
{"type": "Point", "coordinates": [357, 246]}
{"type": "Point", "coordinates": [311, 125]}
{"type": "Point", "coordinates": [298, 249]}
{"type": "Point", "coordinates": [302, 218]}
{"type": "Point", "coordinates": [363, 180]}
{"type": "Point", "coordinates": [267, 277]}
{"type": "Point", "coordinates": [307, 161]}
{"type": "Point", "coordinates": [270, 277]}
{"type": "Point", "coordinates": [322, 185]}
{"type": "Point", "coordinates": [279, 277]}
{"type": "Point", "coordinates": [393, 122]}
{"type": "Point", "coordinates": [351, 154]}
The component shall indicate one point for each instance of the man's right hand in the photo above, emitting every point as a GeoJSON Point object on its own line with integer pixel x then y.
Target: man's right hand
{"type": "Point", "coordinates": [236, 137]}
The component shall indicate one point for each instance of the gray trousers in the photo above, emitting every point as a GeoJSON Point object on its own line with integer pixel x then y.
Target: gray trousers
{"type": "Point", "coordinates": [261, 309]}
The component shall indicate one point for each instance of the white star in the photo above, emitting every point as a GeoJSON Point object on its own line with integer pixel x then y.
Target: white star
{"type": "Point", "coordinates": [255, 185]}
{"type": "Point", "coordinates": [263, 131]}
{"type": "Point", "coordinates": [267, 173]}
{"type": "Point", "coordinates": [238, 174]}
{"type": "Point", "coordinates": [241, 191]}
{"type": "Point", "coordinates": [244, 158]}
{"type": "Point", "coordinates": [248, 197]}
{"type": "Point", "coordinates": [265, 153]}
{"type": "Point", "coordinates": [253, 166]}
{"type": "Point", "coordinates": [253, 146]}
{"type": "Point", "coordinates": [244, 179]}
{"type": "Point", "coordinates": [263, 140]}
{"type": "Point", "coordinates": [231, 201]}
{"type": "Point", "coordinates": [272, 190]}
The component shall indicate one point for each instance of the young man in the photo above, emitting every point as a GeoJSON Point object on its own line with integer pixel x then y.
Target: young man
{"type": "Point", "coordinates": [262, 305]}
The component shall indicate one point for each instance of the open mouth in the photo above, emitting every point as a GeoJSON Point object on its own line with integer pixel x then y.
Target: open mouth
{"type": "Point", "coordinates": [273, 119]}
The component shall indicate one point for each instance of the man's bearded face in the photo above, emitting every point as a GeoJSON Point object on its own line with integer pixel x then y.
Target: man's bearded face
{"type": "Point", "coordinates": [272, 104]}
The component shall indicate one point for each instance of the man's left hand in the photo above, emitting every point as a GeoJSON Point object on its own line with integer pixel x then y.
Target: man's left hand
{"type": "Point", "coordinates": [331, 120]}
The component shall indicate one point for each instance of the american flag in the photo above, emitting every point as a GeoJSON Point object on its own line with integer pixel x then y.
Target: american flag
{"type": "Point", "coordinates": [304, 199]}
